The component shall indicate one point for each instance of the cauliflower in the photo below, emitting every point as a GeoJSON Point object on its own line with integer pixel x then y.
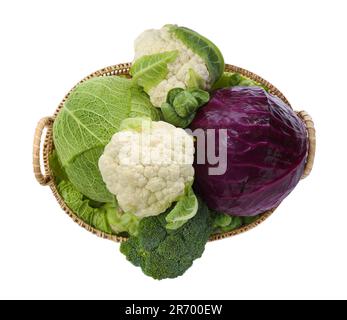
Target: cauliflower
{"type": "Point", "coordinates": [147, 165]}
{"type": "Point", "coordinates": [176, 57]}
{"type": "Point", "coordinates": [157, 41]}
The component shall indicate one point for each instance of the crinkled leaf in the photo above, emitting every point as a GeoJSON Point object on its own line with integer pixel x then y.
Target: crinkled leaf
{"type": "Point", "coordinates": [232, 79]}
{"type": "Point", "coordinates": [181, 105]}
{"type": "Point", "coordinates": [83, 171]}
{"type": "Point", "coordinates": [105, 217]}
{"type": "Point", "coordinates": [141, 106]}
{"type": "Point", "coordinates": [74, 200]}
{"type": "Point", "coordinates": [224, 223]}
{"type": "Point", "coordinates": [236, 222]}
{"type": "Point", "coordinates": [184, 210]}
{"type": "Point", "coordinates": [201, 96]}
{"type": "Point", "coordinates": [135, 124]}
{"type": "Point", "coordinates": [91, 115]}
{"type": "Point", "coordinates": [170, 116]}
{"type": "Point", "coordinates": [185, 104]}
{"type": "Point", "coordinates": [56, 167]}
{"type": "Point", "coordinates": [202, 47]}
{"type": "Point", "coordinates": [150, 70]}
{"type": "Point", "coordinates": [248, 220]}
{"type": "Point", "coordinates": [220, 219]}
{"type": "Point", "coordinates": [121, 222]}
{"type": "Point", "coordinates": [172, 94]}
{"type": "Point", "coordinates": [194, 80]}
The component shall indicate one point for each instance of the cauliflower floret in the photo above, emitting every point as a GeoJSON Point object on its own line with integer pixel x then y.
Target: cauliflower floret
{"type": "Point", "coordinates": [155, 41]}
{"type": "Point", "coordinates": [148, 169]}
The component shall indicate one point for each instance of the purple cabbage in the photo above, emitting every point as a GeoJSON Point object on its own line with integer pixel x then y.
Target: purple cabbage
{"type": "Point", "coordinates": [267, 149]}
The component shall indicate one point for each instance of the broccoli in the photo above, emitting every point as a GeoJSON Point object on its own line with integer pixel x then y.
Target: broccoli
{"type": "Point", "coordinates": [163, 253]}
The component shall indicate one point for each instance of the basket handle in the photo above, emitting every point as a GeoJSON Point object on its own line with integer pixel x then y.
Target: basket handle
{"type": "Point", "coordinates": [311, 132]}
{"type": "Point", "coordinates": [40, 177]}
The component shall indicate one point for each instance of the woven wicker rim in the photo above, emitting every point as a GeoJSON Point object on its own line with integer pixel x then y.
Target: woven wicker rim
{"type": "Point", "coordinates": [123, 69]}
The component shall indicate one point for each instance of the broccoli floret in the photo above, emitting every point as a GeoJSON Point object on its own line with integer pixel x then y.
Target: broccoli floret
{"type": "Point", "coordinates": [163, 253]}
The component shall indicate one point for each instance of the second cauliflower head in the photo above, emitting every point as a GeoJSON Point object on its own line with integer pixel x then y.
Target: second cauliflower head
{"type": "Point", "coordinates": [175, 57]}
{"type": "Point", "coordinates": [147, 165]}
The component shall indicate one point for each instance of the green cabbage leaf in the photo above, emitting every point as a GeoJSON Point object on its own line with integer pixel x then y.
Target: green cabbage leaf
{"type": "Point", "coordinates": [149, 70]}
{"type": "Point", "coordinates": [91, 115]}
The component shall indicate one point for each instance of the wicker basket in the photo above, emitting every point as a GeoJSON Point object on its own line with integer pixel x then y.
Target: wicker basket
{"type": "Point", "coordinates": [123, 69]}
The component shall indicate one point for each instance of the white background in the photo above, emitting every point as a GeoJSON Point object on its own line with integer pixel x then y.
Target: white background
{"type": "Point", "coordinates": [47, 46]}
